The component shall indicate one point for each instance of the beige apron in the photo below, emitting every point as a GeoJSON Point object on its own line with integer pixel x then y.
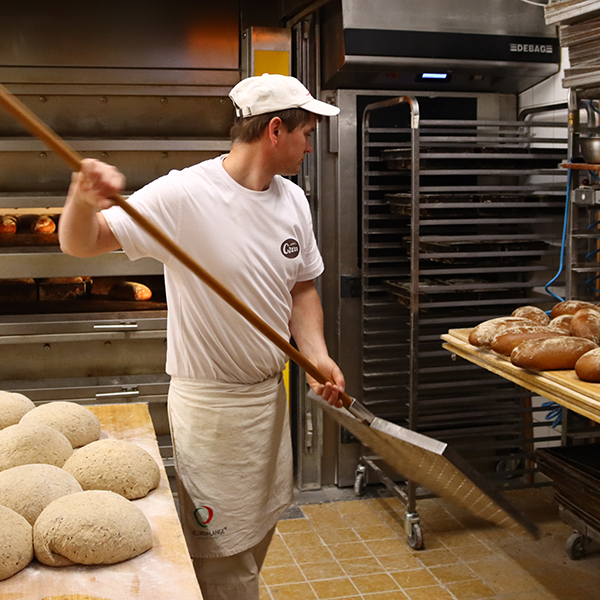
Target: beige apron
{"type": "Point", "coordinates": [233, 459]}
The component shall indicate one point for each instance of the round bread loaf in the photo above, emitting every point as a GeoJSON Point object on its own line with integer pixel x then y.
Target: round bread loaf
{"type": "Point", "coordinates": [586, 324]}
{"type": "Point", "coordinates": [78, 423]}
{"type": "Point", "coordinates": [587, 367]}
{"type": "Point", "coordinates": [115, 465]}
{"type": "Point", "coordinates": [482, 335]}
{"type": "Point", "coordinates": [16, 543]}
{"type": "Point", "coordinates": [533, 313]}
{"type": "Point", "coordinates": [28, 489]}
{"type": "Point", "coordinates": [33, 443]}
{"type": "Point", "coordinates": [561, 323]}
{"type": "Point", "coordinates": [90, 528]}
{"type": "Point", "coordinates": [13, 407]}
{"type": "Point", "coordinates": [507, 341]}
{"type": "Point", "coordinates": [570, 307]}
{"type": "Point", "coordinates": [551, 354]}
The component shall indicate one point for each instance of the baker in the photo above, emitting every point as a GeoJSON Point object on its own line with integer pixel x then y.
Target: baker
{"type": "Point", "coordinates": [250, 228]}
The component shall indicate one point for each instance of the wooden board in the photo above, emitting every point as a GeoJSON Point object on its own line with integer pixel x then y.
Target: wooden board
{"type": "Point", "coordinates": [563, 387]}
{"type": "Point", "coordinates": [165, 571]}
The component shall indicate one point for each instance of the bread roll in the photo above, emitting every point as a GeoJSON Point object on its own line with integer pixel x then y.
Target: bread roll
{"type": "Point", "coordinates": [130, 290]}
{"type": "Point", "coordinates": [551, 354]}
{"type": "Point", "coordinates": [561, 323]}
{"type": "Point", "coordinates": [43, 225]}
{"type": "Point", "coordinates": [482, 335]}
{"type": "Point", "coordinates": [570, 307]}
{"type": "Point", "coordinates": [533, 313]}
{"type": "Point", "coordinates": [588, 366]}
{"type": "Point", "coordinates": [8, 224]}
{"type": "Point", "coordinates": [586, 324]}
{"type": "Point", "coordinates": [507, 341]}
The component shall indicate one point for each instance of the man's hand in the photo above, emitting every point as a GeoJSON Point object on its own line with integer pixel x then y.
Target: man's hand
{"type": "Point", "coordinates": [96, 184]}
{"type": "Point", "coordinates": [329, 391]}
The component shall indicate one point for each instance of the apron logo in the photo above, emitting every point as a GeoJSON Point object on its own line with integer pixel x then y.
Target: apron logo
{"type": "Point", "coordinates": [290, 248]}
{"type": "Point", "coordinates": [204, 515]}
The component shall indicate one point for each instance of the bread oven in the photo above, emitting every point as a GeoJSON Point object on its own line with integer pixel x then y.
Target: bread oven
{"type": "Point", "coordinates": [72, 329]}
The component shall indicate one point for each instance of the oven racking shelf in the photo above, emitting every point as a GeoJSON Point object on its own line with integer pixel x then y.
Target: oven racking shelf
{"type": "Point", "coordinates": [461, 223]}
{"type": "Point", "coordinates": [96, 351]}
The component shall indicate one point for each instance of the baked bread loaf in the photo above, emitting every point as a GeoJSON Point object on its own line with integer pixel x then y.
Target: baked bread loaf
{"type": "Point", "coordinates": [586, 324]}
{"type": "Point", "coordinates": [130, 290]}
{"type": "Point", "coordinates": [507, 341]}
{"type": "Point", "coordinates": [561, 323]}
{"type": "Point", "coordinates": [551, 354]}
{"type": "Point", "coordinates": [587, 367]}
{"type": "Point", "coordinates": [8, 224]}
{"type": "Point", "coordinates": [482, 335]}
{"type": "Point", "coordinates": [570, 307]}
{"type": "Point", "coordinates": [533, 313]}
{"type": "Point", "coordinates": [43, 225]}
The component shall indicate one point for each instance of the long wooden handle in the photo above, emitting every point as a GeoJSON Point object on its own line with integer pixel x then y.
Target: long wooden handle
{"type": "Point", "coordinates": [40, 130]}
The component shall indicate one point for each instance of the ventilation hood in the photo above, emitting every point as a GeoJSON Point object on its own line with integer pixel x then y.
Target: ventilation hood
{"type": "Point", "coordinates": [459, 45]}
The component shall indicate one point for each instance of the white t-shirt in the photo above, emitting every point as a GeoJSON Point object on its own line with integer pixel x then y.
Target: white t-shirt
{"type": "Point", "coordinates": [257, 244]}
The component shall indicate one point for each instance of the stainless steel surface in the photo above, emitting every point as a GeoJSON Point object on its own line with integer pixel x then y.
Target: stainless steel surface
{"type": "Point", "coordinates": [339, 211]}
{"type": "Point", "coordinates": [590, 148]}
{"type": "Point", "coordinates": [146, 92]}
{"type": "Point", "coordinates": [462, 16]}
{"type": "Point", "coordinates": [504, 47]}
{"type": "Point", "coordinates": [153, 36]}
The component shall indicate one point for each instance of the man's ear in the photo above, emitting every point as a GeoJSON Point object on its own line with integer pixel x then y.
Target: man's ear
{"type": "Point", "coordinates": [274, 129]}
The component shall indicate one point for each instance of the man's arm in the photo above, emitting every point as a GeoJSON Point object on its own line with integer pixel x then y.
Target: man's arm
{"type": "Point", "coordinates": [306, 326]}
{"type": "Point", "coordinates": [83, 231]}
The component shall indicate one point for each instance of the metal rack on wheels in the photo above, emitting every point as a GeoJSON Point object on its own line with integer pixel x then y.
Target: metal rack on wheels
{"type": "Point", "coordinates": [461, 222]}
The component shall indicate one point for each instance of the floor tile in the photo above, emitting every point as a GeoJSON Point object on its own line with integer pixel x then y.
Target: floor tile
{"type": "Point", "coordinates": [349, 550]}
{"type": "Point", "coordinates": [471, 590]}
{"type": "Point", "coordinates": [334, 588]}
{"type": "Point", "coordinates": [429, 593]}
{"type": "Point", "coordinates": [292, 591]}
{"type": "Point", "coordinates": [338, 536]}
{"type": "Point", "coordinates": [322, 570]}
{"type": "Point", "coordinates": [414, 579]}
{"type": "Point", "coordinates": [365, 565]}
{"type": "Point", "coordinates": [358, 550]}
{"type": "Point", "coordinates": [434, 558]}
{"type": "Point", "coordinates": [395, 595]}
{"type": "Point", "coordinates": [451, 573]}
{"type": "Point", "coordinates": [369, 584]}
{"type": "Point", "coordinates": [311, 554]}
{"type": "Point", "coordinates": [285, 574]}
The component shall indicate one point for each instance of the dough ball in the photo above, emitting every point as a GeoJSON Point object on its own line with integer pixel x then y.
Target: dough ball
{"type": "Point", "coordinates": [32, 443]}
{"type": "Point", "coordinates": [114, 465]}
{"type": "Point", "coordinates": [78, 423]}
{"type": "Point", "coordinates": [28, 489]}
{"type": "Point", "coordinates": [16, 543]}
{"type": "Point", "coordinates": [13, 407]}
{"type": "Point", "coordinates": [90, 528]}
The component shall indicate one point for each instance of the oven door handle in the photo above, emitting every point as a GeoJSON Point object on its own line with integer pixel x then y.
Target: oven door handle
{"type": "Point", "coordinates": [116, 326]}
{"type": "Point", "coordinates": [122, 393]}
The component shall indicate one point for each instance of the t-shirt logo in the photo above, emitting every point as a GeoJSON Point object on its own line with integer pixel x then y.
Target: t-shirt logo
{"type": "Point", "coordinates": [290, 248]}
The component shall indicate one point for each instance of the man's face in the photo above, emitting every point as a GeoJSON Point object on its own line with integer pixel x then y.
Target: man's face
{"type": "Point", "coordinates": [294, 145]}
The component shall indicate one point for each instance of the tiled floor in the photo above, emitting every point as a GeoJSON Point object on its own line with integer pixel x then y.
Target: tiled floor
{"type": "Point", "coordinates": [357, 550]}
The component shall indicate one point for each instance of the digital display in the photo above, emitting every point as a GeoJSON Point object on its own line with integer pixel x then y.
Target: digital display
{"type": "Point", "coordinates": [434, 76]}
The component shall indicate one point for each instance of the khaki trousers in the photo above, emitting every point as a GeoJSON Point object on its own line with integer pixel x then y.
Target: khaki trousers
{"type": "Point", "coordinates": [232, 577]}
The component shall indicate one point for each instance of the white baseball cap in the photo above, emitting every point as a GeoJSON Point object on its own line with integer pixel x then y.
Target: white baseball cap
{"type": "Point", "coordinates": [269, 93]}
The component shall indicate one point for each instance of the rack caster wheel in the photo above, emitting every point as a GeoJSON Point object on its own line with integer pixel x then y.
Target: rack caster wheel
{"type": "Point", "coordinates": [415, 539]}
{"type": "Point", "coordinates": [576, 546]}
{"type": "Point", "coordinates": [360, 480]}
